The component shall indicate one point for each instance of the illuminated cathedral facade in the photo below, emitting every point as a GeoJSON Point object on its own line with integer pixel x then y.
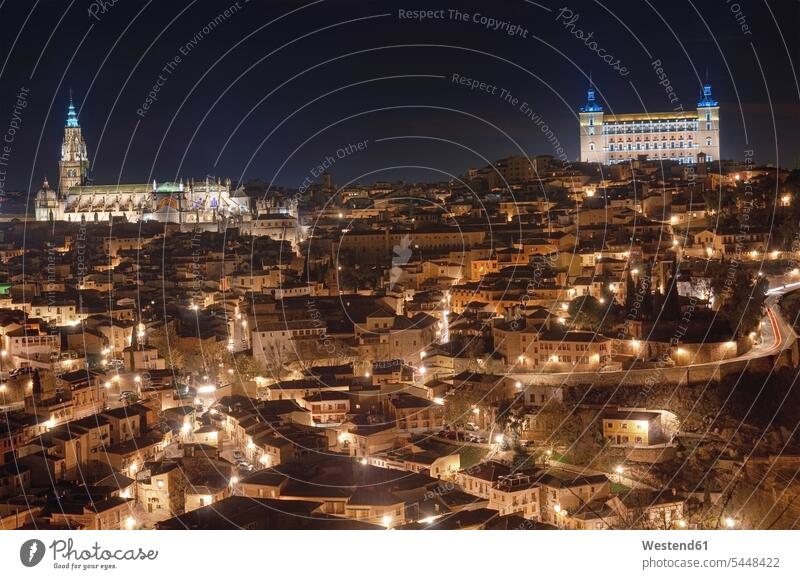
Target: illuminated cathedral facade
{"type": "Point", "coordinates": [202, 201]}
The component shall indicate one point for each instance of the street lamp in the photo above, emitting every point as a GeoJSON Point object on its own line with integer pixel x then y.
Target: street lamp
{"type": "Point", "coordinates": [730, 522]}
{"type": "Point", "coordinates": [560, 515]}
{"type": "Point", "coordinates": [619, 470]}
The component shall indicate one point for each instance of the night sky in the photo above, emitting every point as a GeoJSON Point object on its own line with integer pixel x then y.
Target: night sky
{"type": "Point", "coordinates": [272, 89]}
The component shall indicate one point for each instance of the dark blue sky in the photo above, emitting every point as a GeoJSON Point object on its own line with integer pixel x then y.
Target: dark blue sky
{"type": "Point", "coordinates": [230, 106]}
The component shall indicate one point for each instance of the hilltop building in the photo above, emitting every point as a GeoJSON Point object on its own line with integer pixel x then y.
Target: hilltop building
{"type": "Point", "coordinates": [682, 136]}
{"type": "Point", "coordinates": [206, 201]}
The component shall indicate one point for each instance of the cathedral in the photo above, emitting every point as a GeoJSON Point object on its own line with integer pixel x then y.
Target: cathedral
{"type": "Point", "coordinates": [206, 201]}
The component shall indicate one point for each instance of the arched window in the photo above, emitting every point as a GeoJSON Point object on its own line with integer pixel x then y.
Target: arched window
{"type": "Point", "coordinates": [708, 141]}
{"type": "Point", "coordinates": [591, 146]}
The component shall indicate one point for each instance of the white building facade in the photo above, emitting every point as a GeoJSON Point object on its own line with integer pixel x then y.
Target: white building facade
{"type": "Point", "coordinates": [663, 136]}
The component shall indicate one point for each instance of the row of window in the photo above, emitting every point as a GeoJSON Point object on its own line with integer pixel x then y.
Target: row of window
{"type": "Point", "coordinates": [647, 147]}
{"type": "Point", "coordinates": [655, 156]}
{"type": "Point", "coordinates": [646, 138]}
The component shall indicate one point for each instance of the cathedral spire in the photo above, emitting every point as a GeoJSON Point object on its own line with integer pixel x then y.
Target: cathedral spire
{"type": "Point", "coordinates": [74, 163]}
{"type": "Point", "coordinates": [72, 117]}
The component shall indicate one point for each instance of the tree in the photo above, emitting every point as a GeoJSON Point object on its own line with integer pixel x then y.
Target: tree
{"type": "Point", "coordinates": [671, 307]}
{"type": "Point", "coordinates": [743, 301]}
{"type": "Point", "coordinates": [247, 367]}
{"type": "Point", "coordinates": [722, 200]}
{"type": "Point", "coordinates": [586, 312]}
{"type": "Point", "coordinates": [165, 339]}
{"type": "Point", "coordinates": [458, 408]}
{"type": "Point", "coordinates": [630, 291]}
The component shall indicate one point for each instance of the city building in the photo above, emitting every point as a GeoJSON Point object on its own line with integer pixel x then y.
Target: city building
{"type": "Point", "coordinates": [690, 136]}
{"type": "Point", "coordinates": [208, 200]}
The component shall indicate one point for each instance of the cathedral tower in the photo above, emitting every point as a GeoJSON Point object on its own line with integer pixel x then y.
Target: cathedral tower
{"type": "Point", "coordinates": [74, 163]}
